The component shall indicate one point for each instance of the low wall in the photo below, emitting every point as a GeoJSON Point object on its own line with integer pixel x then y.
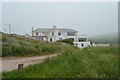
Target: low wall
{"type": "Point", "coordinates": [94, 45]}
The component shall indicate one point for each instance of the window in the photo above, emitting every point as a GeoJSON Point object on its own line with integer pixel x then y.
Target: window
{"type": "Point", "coordinates": [52, 33]}
{"type": "Point", "coordinates": [82, 45]}
{"type": "Point", "coordinates": [37, 38]}
{"type": "Point", "coordinates": [50, 39]}
{"type": "Point", "coordinates": [70, 34]}
{"type": "Point", "coordinates": [60, 38]}
{"type": "Point", "coordinates": [36, 33]}
{"type": "Point", "coordinates": [59, 33]}
{"type": "Point", "coordinates": [42, 38]}
{"type": "Point", "coordinates": [43, 34]}
{"type": "Point", "coordinates": [82, 39]}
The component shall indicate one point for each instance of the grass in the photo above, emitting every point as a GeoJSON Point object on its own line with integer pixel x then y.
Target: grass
{"type": "Point", "coordinates": [16, 46]}
{"type": "Point", "coordinates": [0, 75]}
{"type": "Point", "coordinates": [91, 62]}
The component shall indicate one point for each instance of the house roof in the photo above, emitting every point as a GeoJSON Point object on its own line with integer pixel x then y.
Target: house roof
{"type": "Point", "coordinates": [50, 30]}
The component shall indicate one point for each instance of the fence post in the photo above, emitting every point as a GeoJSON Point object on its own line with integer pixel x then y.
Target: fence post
{"type": "Point", "coordinates": [20, 67]}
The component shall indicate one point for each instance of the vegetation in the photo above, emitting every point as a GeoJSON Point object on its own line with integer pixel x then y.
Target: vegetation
{"type": "Point", "coordinates": [17, 46]}
{"type": "Point", "coordinates": [91, 62]}
{"type": "Point", "coordinates": [66, 41]}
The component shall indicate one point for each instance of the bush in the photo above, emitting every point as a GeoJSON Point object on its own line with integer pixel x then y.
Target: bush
{"type": "Point", "coordinates": [4, 38]}
{"type": "Point", "coordinates": [66, 41]}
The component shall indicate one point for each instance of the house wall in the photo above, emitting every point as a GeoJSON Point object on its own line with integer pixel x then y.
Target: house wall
{"type": "Point", "coordinates": [82, 44]}
{"type": "Point", "coordinates": [55, 36]}
{"type": "Point", "coordinates": [63, 36]}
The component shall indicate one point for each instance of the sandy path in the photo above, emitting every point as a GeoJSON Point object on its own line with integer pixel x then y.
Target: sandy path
{"type": "Point", "coordinates": [9, 64]}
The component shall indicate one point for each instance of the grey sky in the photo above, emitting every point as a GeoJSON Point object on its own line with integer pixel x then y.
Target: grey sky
{"type": "Point", "coordinates": [87, 18]}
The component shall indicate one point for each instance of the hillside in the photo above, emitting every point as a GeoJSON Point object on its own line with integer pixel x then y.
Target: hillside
{"type": "Point", "coordinates": [18, 46]}
{"type": "Point", "coordinates": [106, 38]}
{"type": "Point", "coordinates": [91, 62]}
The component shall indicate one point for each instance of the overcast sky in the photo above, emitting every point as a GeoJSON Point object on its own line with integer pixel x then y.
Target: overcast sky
{"type": "Point", "coordinates": [90, 18]}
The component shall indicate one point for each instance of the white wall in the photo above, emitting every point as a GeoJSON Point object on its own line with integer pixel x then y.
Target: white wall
{"type": "Point", "coordinates": [79, 44]}
{"type": "Point", "coordinates": [39, 34]}
{"type": "Point", "coordinates": [94, 45]}
{"type": "Point", "coordinates": [63, 36]}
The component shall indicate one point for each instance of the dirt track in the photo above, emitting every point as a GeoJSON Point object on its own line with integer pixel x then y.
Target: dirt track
{"type": "Point", "coordinates": [9, 64]}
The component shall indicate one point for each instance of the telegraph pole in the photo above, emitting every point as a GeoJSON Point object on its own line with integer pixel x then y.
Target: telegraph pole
{"type": "Point", "coordinates": [4, 30]}
{"type": "Point", "coordinates": [9, 29]}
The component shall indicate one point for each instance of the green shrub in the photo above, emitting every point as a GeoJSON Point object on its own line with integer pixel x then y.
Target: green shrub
{"type": "Point", "coordinates": [36, 46]}
{"type": "Point", "coordinates": [66, 41]}
{"type": "Point", "coordinates": [4, 38]}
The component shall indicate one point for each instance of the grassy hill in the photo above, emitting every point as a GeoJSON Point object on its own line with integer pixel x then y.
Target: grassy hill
{"type": "Point", "coordinates": [18, 46]}
{"type": "Point", "coordinates": [91, 62]}
{"type": "Point", "coordinates": [106, 38]}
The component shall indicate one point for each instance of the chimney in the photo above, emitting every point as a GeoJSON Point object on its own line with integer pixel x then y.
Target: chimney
{"type": "Point", "coordinates": [54, 27]}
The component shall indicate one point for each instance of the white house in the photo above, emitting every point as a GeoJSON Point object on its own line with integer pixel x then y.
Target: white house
{"type": "Point", "coordinates": [82, 41]}
{"type": "Point", "coordinates": [54, 34]}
